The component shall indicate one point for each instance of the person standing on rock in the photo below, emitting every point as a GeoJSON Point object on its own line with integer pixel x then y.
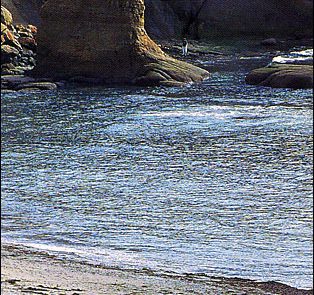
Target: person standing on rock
{"type": "Point", "coordinates": [185, 47]}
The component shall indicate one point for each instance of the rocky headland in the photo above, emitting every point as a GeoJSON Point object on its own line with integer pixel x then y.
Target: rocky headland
{"type": "Point", "coordinates": [105, 43]}
{"type": "Point", "coordinates": [18, 56]}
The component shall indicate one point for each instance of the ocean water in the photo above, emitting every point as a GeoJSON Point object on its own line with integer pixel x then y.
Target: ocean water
{"type": "Point", "coordinates": [213, 178]}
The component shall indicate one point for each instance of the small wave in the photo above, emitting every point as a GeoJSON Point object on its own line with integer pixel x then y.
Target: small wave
{"type": "Point", "coordinates": [29, 247]}
{"type": "Point", "coordinates": [213, 112]}
{"type": "Point", "coordinates": [104, 257]}
{"type": "Point", "coordinates": [295, 57]}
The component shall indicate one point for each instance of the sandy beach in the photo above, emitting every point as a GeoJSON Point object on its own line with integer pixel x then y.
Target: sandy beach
{"type": "Point", "coordinates": [24, 271]}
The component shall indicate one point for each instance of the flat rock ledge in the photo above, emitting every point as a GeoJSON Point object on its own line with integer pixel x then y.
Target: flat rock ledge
{"type": "Point", "coordinates": [21, 83]}
{"type": "Point", "coordinates": [169, 72]}
{"type": "Point", "coordinates": [282, 76]}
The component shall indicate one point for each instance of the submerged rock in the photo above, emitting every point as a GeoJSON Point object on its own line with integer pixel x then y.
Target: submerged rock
{"type": "Point", "coordinates": [37, 85]}
{"type": "Point", "coordinates": [282, 76]}
{"type": "Point", "coordinates": [25, 83]}
{"type": "Point", "coordinates": [269, 42]}
{"type": "Point", "coordinates": [107, 41]}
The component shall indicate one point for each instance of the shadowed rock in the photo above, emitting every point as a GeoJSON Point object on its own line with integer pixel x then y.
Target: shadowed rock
{"type": "Point", "coordinates": [24, 11]}
{"type": "Point", "coordinates": [282, 76]}
{"type": "Point", "coordinates": [217, 18]}
{"type": "Point", "coordinates": [105, 40]}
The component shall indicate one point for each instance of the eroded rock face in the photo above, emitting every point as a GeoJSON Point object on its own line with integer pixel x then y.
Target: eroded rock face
{"type": "Point", "coordinates": [24, 11]}
{"type": "Point", "coordinates": [169, 18]}
{"type": "Point", "coordinates": [105, 40]}
{"type": "Point", "coordinates": [18, 45]}
{"type": "Point", "coordinates": [217, 18]}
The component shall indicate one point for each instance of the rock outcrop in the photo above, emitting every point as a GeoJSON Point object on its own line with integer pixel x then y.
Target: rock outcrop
{"type": "Point", "coordinates": [18, 45]}
{"type": "Point", "coordinates": [282, 76]}
{"type": "Point", "coordinates": [105, 41]}
{"type": "Point", "coordinates": [217, 18]}
{"type": "Point", "coordinates": [207, 18]}
{"type": "Point", "coordinates": [24, 11]}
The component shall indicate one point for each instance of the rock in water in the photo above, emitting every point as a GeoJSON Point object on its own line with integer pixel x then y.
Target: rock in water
{"type": "Point", "coordinates": [106, 40]}
{"type": "Point", "coordinates": [269, 42]}
{"type": "Point", "coordinates": [282, 76]}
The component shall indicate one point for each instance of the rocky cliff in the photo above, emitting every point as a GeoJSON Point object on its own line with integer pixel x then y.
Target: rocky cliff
{"type": "Point", "coordinates": [24, 11]}
{"type": "Point", "coordinates": [217, 18]}
{"type": "Point", "coordinates": [18, 45]}
{"type": "Point", "coordinates": [105, 41]}
{"type": "Point", "coordinates": [207, 18]}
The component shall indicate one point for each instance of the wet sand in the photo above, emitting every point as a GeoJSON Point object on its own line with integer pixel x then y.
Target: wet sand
{"type": "Point", "coordinates": [24, 271]}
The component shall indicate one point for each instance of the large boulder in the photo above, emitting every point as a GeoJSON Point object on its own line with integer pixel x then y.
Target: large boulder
{"type": "Point", "coordinates": [282, 76]}
{"type": "Point", "coordinates": [105, 40]}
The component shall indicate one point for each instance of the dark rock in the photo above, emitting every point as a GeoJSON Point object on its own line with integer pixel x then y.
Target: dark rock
{"type": "Point", "coordinates": [16, 79]}
{"type": "Point", "coordinates": [61, 84]}
{"type": "Point", "coordinates": [31, 61]}
{"type": "Point", "coordinates": [14, 71]}
{"type": "Point", "coordinates": [202, 19]}
{"type": "Point", "coordinates": [151, 78]}
{"type": "Point", "coordinates": [85, 80]}
{"type": "Point", "coordinates": [27, 52]}
{"type": "Point", "coordinates": [28, 42]}
{"type": "Point", "coordinates": [161, 20]}
{"type": "Point", "coordinates": [17, 46]}
{"type": "Point", "coordinates": [7, 72]}
{"type": "Point", "coordinates": [14, 43]}
{"type": "Point", "coordinates": [269, 42]}
{"type": "Point", "coordinates": [282, 76]}
{"type": "Point", "coordinates": [26, 83]}
{"type": "Point", "coordinates": [165, 19]}
{"type": "Point", "coordinates": [37, 85]}
{"type": "Point", "coordinates": [4, 86]}
{"type": "Point", "coordinates": [30, 89]}
{"type": "Point", "coordinates": [24, 11]}
{"type": "Point", "coordinates": [8, 66]}
{"type": "Point", "coordinates": [7, 53]}
{"type": "Point", "coordinates": [6, 90]}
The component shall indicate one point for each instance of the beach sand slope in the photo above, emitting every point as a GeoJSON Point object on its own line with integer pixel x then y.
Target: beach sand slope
{"type": "Point", "coordinates": [24, 271]}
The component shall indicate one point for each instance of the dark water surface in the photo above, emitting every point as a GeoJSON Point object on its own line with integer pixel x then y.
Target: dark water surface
{"type": "Point", "coordinates": [214, 178]}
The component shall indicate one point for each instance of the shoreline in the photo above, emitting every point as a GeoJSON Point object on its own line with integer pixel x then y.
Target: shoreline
{"type": "Point", "coordinates": [214, 50]}
{"type": "Point", "coordinates": [24, 271]}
